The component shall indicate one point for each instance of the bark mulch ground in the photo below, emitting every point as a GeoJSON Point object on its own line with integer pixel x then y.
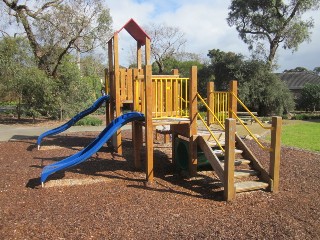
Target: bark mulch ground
{"type": "Point", "coordinates": [106, 198]}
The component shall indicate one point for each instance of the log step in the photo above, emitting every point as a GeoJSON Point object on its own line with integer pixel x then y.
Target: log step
{"type": "Point", "coordinates": [245, 173]}
{"type": "Point", "coordinates": [239, 162]}
{"type": "Point", "coordinates": [220, 153]}
{"type": "Point", "coordinates": [250, 186]}
{"type": "Point", "coordinates": [215, 144]}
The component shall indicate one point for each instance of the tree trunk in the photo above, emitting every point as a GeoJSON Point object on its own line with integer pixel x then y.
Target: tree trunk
{"type": "Point", "coordinates": [19, 108]}
{"type": "Point", "coordinates": [160, 65]}
{"type": "Point", "coordinates": [274, 44]}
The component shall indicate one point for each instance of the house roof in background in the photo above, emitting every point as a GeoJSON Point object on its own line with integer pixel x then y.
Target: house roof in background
{"type": "Point", "coordinates": [296, 80]}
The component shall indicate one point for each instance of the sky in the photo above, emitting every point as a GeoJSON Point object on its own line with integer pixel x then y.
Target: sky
{"type": "Point", "coordinates": [205, 27]}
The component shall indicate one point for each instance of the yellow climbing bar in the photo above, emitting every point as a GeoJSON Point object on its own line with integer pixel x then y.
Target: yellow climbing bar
{"type": "Point", "coordinates": [211, 133]}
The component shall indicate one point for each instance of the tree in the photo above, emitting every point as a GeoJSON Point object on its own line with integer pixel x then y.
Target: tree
{"type": "Point", "coordinates": [92, 71]}
{"type": "Point", "coordinates": [259, 88]}
{"type": "Point", "coordinates": [166, 42]}
{"type": "Point", "coordinates": [33, 92]}
{"type": "Point", "coordinates": [57, 27]}
{"type": "Point", "coordinates": [297, 69]}
{"type": "Point", "coordinates": [262, 90]}
{"type": "Point", "coordinates": [225, 66]}
{"type": "Point", "coordinates": [20, 79]}
{"type": "Point", "coordinates": [310, 97]}
{"type": "Point", "coordinates": [316, 70]}
{"type": "Point", "coordinates": [275, 21]}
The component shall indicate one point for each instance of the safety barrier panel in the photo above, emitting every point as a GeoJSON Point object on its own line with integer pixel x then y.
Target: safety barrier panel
{"type": "Point", "coordinates": [219, 105]}
{"type": "Point", "coordinates": [170, 97]}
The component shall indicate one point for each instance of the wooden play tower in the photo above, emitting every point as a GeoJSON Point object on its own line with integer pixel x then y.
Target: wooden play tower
{"type": "Point", "coordinates": [172, 101]}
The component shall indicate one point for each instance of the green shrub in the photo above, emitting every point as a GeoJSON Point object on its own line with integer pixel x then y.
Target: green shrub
{"type": "Point", "coordinates": [89, 121]}
{"type": "Point", "coordinates": [305, 116]}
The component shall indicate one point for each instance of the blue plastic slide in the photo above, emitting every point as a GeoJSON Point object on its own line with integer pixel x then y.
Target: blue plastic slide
{"type": "Point", "coordinates": [93, 147]}
{"type": "Point", "coordinates": [73, 120]}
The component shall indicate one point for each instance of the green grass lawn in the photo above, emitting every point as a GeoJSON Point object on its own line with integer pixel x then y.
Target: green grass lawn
{"type": "Point", "coordinates": [301, 134]}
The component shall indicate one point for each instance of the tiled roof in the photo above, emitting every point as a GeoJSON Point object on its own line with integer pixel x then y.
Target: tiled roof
{"type": "Point", "coordinates": [296, 80]}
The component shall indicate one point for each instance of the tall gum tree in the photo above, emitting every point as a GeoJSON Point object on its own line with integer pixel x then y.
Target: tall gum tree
{"type": "Point", "coordinates": [55, 28]}
{"type": "Point", "coordinates": [275, 21]}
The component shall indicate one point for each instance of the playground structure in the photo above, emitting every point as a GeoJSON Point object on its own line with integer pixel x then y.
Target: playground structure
{"type": "Point", "coordinates": [172, 101]}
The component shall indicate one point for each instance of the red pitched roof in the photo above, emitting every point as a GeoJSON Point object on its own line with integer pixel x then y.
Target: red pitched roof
{"type": "Point", "coordinates": [135, 31]}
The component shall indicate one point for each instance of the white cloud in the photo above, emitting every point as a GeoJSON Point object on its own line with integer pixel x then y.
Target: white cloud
{"type": "Point", "coordinates": [206, 28]}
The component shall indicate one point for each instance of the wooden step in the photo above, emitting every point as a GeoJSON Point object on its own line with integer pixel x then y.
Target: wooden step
{"type": "Point", "coordinates": [215, 144]}
{"type": "Point", "coordinates": [245, 173]}
{"type": "Point", "coordinates": [250, 186]}
{"type": "Point", "coordinates": [220, 153]}
{"type": "Point", "coordinates": [239, 162]}
{"type": "Point", "coordinates": [220, 135]}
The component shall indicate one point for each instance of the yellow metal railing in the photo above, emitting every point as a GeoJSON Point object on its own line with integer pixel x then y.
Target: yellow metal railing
{"type": "Point", "coordinates": [220, 105]}
{"type": "Point", "coordinates": [246, 128]}
{"type": "Point", "coordinates": [251, 114]}
{"type": "Point", "coordinates": [205, 124]}
{"type": "Point", "coordinates": [211, 133]}
{"type": "Point", "coordinates": [211, 112]}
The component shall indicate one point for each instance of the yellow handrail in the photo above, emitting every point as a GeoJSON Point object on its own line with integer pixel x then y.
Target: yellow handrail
{"type": "Point", "coordinates": [252, 115]}
{"type": "Point", "coordinates": [208, 108]}
{"type": "Point", "coordinates": [251, 134]}
{"type": "Point", "coordinates": [211, 133]}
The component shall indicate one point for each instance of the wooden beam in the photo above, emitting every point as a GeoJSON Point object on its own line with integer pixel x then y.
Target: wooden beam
{"type": "Point", "coordinates": [117, 137]}
{"type": "Point", "coordinates": [193, 111]}
{"type": "Point", "coordinates": [147, 52]}
{"type": "Point", "coordinates": [107, 89]}
{"type": "Point", "coordinates": [137, 143]}
{"type": "Point", "coordinates": [139, 56]}
{"type": "Point", "coordinates": [210, 98]}
{"type": "Point", "coordinates": [211, 157]}
{"type": "Point", "coordinates": [275, 153]}
{"type": "Point", "coordinates": [148, 123]}
{"type": "Point", "coordinates": [233, 88]}
{"type": "Point", "coordinates": [229, 189]}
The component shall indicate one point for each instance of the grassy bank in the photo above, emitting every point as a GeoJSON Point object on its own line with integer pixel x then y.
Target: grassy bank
{"type": "Point", "coordinates": [302, 134]}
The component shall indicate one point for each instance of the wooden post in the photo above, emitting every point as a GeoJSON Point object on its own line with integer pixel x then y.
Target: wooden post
{"type": "Point", "coordinates": [210, 102]}
{"type": "Point", "coordinates": [139, 55]}
{"type": "Point", "coordinates": [107, 92]}
{"type": "Point", "coordinates": [229, 189]}
{"type": "Point", "coordinates": [175, 71]}
{"type": "Point", "coordinates": [193, 111]}
{"type": "Point", "coordinates": [233, 88]}
{"type": "Point", "coordinates": [136, 126]}
{"type": "Point", "coordinates": [117, 137]}
{"type": "Point", "coordinates": [109, 106]}
{"type": "Point", "coordinates": [148, 123]}
{"type": "Point", "coordinates": [147, 52]}
{"type": "Point", "coordinates": [137, 143]}
{"type": "Point", "coordinates": [275, 153]}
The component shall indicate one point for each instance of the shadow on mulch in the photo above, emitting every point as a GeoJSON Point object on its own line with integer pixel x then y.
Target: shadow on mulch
{"type": "Point", "coordinates": [33, 183]}
{"type": "Point", "coordinates": [100, 166]}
